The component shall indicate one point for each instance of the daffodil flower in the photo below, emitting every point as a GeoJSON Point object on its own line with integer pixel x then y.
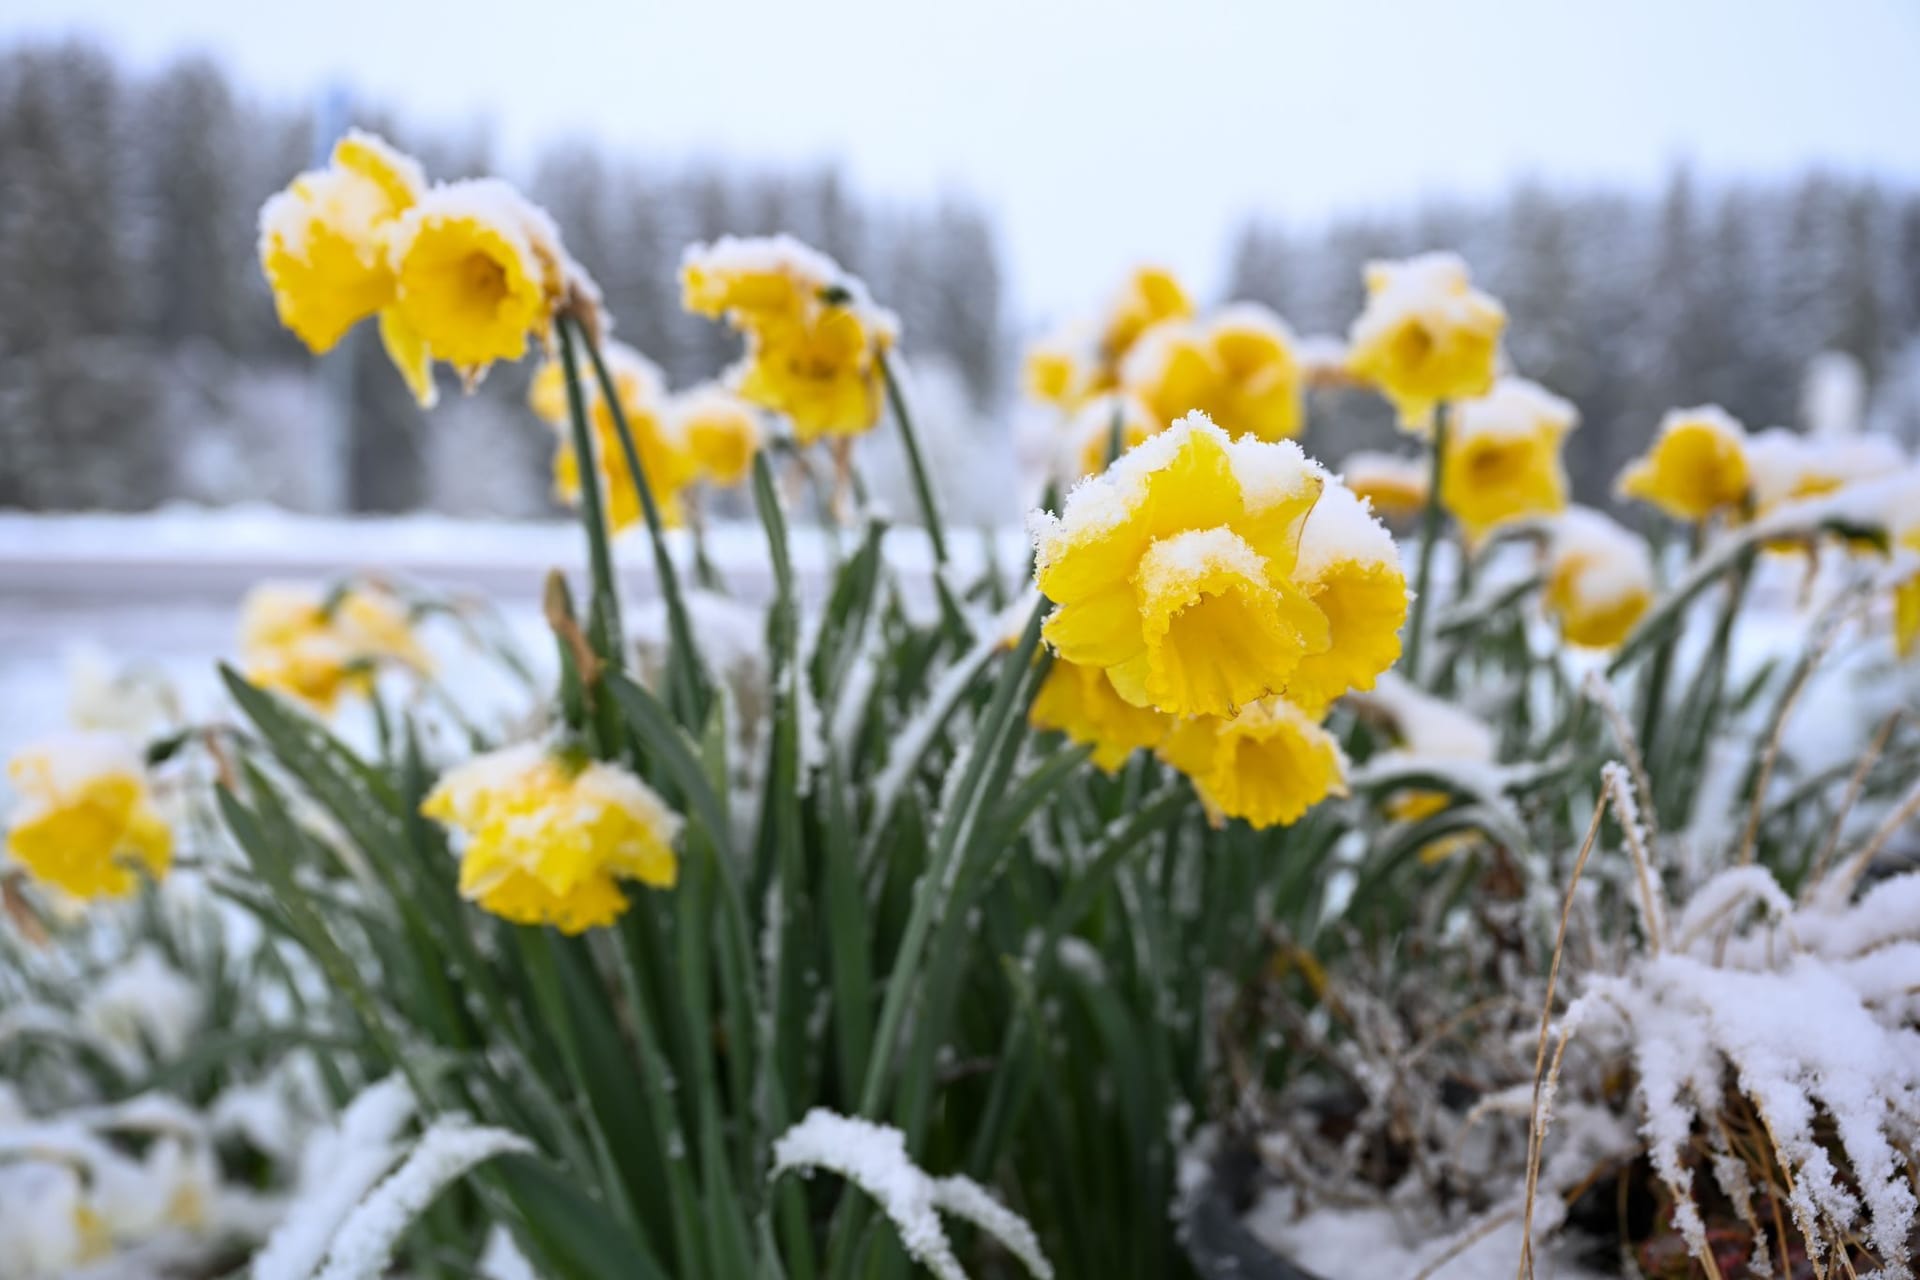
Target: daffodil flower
{"type": "Point", "coordinates": [545, 839]}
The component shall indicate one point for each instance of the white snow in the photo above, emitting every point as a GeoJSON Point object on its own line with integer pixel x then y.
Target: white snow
{"type": "Point", "coordinates": [1341, 529]}
{"type": "Point", "coordinates": [363, 1246]}
{"type": "Point", "coordinates": [874, 1158]}
{"type": "Point", "coordinates": [1515, 408]}
{"type": "Point", "coordinates": [1173, 566]}
{"type": "Point", "coordinates": [1614, 564]}
{"type": "Point", "coordinates": [1433, 287]}
{"type": "Point", "coordinates": [337, 1169]}
{"type": "Point", "coordinates": [145, 1001]}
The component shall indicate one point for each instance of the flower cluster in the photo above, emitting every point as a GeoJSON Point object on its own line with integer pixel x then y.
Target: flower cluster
{"type": "Point", "coordinates": [85, 822]}
{"type": "Point", "coordinates": [315, 645]}
{"type": "Point", "coordinates": [1148, 361]}
{"type": "Point", "coordinates": [1226, 591]}
{"type": "Point", "coordinates": [1426, 335]}
{"type": "Point", "coordinates": [1238, 368]}
{"type": "Point", "coordinates": [461, 272]}
{"type": "Point", "coordinates": [545, 837]}
{"type": "Point", "coordinates": [1085, 359]}
{"type": "Point", "coordinates": [816, 342]}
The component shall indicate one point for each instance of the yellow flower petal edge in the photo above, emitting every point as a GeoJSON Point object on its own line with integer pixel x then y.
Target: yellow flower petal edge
{"type": "Point", "coordinates": [547, 840]}
{"type": "Point", "coordinates": [1906, 600]}
{"type": "Point", "coordinates": [299, 639]}
{"type": "Point", "coordinates": [478, 270]}
{"type": "Point", "coordinates": [815, 339]}
{"type": "Point", "coordinates": [1696, 467]}
{"type": "Point", "coordinates": [1425, 335]}
{"type": "Point", "coordinates": [323, 239]}
{"type": "Point", "coordinates": [1173, 569]}
{"type": "Point", "coordinates": [1394, 486]}
{"type": "Point", "coordinates": [1600, 579]}
{"type": "Point", "coordinates": [1350, 568]}
{"type": "Point", "coordinates": [85, 822]}
{"type": "Point", "coordinates": [1239, 368]}
{"type": "Point", "coordinates": [720, 432]}
{"type": "Point", "coordinates": [1082, 703]}
{"type": "Point", "coordinates": [1267, 765]}
{"type": "Point", "coordinates": [1502, 458]}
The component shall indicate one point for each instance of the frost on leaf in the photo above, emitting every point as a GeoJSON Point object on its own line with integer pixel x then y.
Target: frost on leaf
{"type": "Point", "coordinates": [874, 1158]}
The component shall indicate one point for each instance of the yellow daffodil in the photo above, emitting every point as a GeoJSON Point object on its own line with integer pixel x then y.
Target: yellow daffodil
{"type": "Point", "coordinates": [323, 239]}
{"type": "Point", "coordinates": [1055, 373]}
{"type": "Point", "coordinates": [815, 341]}
{"type": "Point", "coordinates": [1174, 570]}
{"type": "Point", "coordinates": [720, 433]}
{"type": "Point", "coordinates": [1177, 572]}
{"type": "Point", "coordinates": [668, 464]}
{"type": "Point", "coordinates": [1084, 359]}
{"type": "Point", "coordinates": [85, 817]}
{"type": "Point", "coordinates": [545, 839]}
{"type": "Point", "coordinates": [1349, 567]}
{"type": "Point", "coordinates": [1906, 598]}
{"type": "Point", "coordinates": [1268, 765]}
{"type": "Point", "coordinates": [1081, 703]}
{"type": "Point", "coordinates": [1238, 368]}
{"type": "Point", "coordinates": [1502, 459]}
{"type": "Point", "coordinates": [1425, 335]}
{"type": "Point", "coordinates": [463, 272]}
{"type": "Point", "coordinates": [479, 270]}
{"type": "Point", "coordinates": [1150, 295]}
{"type": "Point", "coordinates": [1599, 578]}
{"type": "Point", "coordinates": [1394, 487]}
{"type": "Point", "coordinates": [1089, 434]}
{"type": "Point", "coordinates": [1696, 467]}
{"type": "Point", "coordinates": [312, 645]}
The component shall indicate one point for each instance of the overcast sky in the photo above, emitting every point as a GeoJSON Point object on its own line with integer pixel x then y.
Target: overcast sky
{"type": "Point", "coordinates": [1103, 133]}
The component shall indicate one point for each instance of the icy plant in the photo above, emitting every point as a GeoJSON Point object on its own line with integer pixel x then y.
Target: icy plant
{"type": "Point", "coordinates": [874, 1158]}
{"type": "Point", "coordinates": [364, 1242]}
{"type": "Point", "coordinates": [1806, 1016]}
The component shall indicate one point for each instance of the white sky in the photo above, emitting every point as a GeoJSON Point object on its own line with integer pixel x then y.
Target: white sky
{"type": "Point", "coordinates": [1105, 133]}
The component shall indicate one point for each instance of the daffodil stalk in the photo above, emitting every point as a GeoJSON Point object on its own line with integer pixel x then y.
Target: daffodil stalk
{"type": "Point", "coordinates": [684, 658]}
{"type": "Point", "coordinates": [1429, 535]}
{"type": "Point", "coordinates": [916, 464]}
{"type": "Point", "coordinates": [603, 615]}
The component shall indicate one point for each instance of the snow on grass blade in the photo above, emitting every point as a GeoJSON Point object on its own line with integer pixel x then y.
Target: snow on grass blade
{"type": "Point", "coordinates": [337, 1171]}
{"type": "Point", "coordinates": [874, 1158]}
{"type": "Point", "coordinates": [363, 1246]}
{"type": "Point", "coordinates": [966, 1199]}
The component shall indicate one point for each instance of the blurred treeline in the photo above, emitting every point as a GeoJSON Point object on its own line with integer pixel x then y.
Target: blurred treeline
{"type": "Point", "coordinates": [1630, 305]}
{"type": "Point", "coordinates": [140, 360]}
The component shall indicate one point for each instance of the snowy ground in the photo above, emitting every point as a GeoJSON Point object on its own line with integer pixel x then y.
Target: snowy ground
{"type": "Point", "coordinates": [162, 591]}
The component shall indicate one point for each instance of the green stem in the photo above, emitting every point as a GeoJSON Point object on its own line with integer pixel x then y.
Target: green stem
{"type": "Point", "coordinates": [603, 616]}
{"type": "Point", "coordinates": [916, 464]}
{"type": "Point", "coordinates": [1429, 535]}
{"type": "Point", "coordinates": [936, 883]}
{"type": "Point", "coordinates": [683, 661]}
